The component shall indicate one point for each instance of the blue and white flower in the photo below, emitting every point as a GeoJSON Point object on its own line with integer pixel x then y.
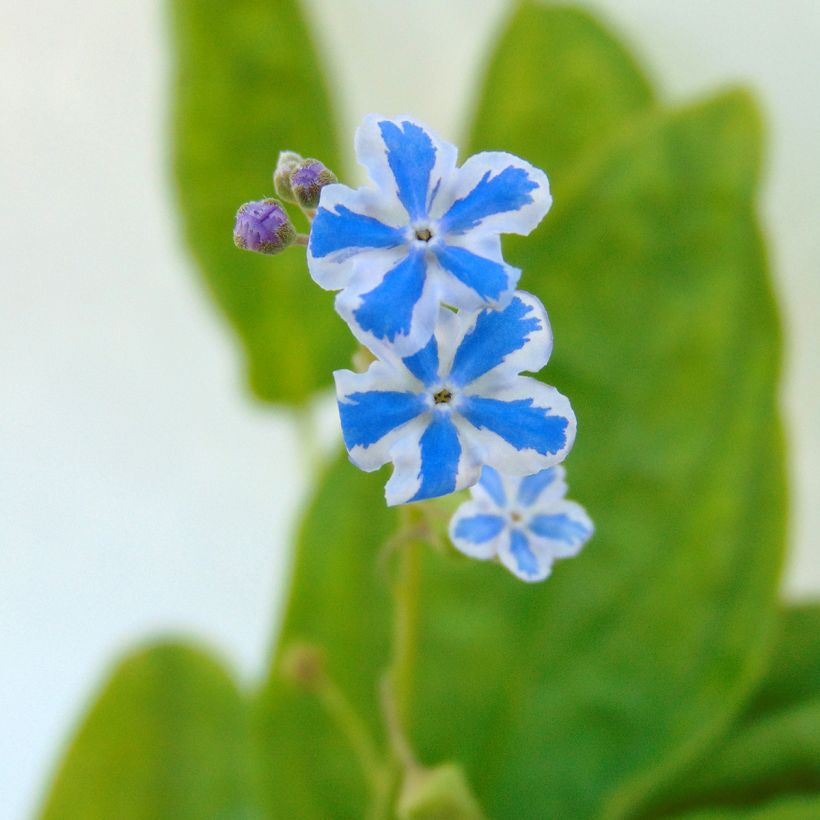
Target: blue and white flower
{"type": "Point", "coordinates": [459, 403]}
{"type": "Point", "coordinates": [427, 234]}
{"type": "Point", "coordinates": [526, 523]}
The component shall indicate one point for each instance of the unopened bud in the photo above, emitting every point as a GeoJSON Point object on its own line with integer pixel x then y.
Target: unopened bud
{"type": "Point", "coordinates": [307, 181]}
{"type": "Point", "coordinates": [303, 666]}
{"type": "Point", "coordinates": [442, 792]}
{"type": "Point", "coordinates": [263, 226]}
{"type": "Point", "coordinates": [288, 162]}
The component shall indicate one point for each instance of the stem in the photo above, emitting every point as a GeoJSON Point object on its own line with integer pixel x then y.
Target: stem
{"type": "Point", "coordinates": [351, 725]}
{"type": "Point", "coordinates": [301, 239]}
{"type": "Point", "coordinates": [405, 625]}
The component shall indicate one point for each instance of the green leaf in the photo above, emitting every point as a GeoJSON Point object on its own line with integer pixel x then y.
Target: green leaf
{"type": "Point", "coordinates": [558, 80]}
{"type": "Point", "coordinates": [774, 749]}
{"type": "Point", "coordinates": [248, 84]}
{"type": "Point", "coordinates": [167, 737]}
{"type": "Point", "coordinates": [667, 342]}
{"type": "Point", "coordinates": [798, 807]}
{"type": "Point", "coordinates": [794, 669]}
{"type": "Point", "coordinates": [607, 679]}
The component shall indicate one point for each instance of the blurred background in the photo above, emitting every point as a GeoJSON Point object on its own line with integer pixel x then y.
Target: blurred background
{"type": "Point", "coordinates": [141, 489]}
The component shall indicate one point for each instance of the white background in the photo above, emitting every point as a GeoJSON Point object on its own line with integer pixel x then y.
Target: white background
{"type": "Point", "coordinates": [140, 489]}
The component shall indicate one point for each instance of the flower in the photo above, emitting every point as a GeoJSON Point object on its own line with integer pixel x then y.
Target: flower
{"type": "Point", "coordinates": [427, 234]}
{"type": "Point", "coordinates": [264, 227]}
{"type": "Point", "coordinates": [458, 403]}
{"type": "Point", "coordinates": [525, 522]}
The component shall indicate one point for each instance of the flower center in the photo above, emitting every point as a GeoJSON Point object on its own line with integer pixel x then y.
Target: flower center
{"type": "Point", "coordinates": [424, 234]}
{"type": "Point", "coordinates": [516, 517]}
{"type": "Point", "coordinates": [443, 396]}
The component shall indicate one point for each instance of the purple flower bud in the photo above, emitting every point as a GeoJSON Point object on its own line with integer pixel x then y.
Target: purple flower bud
{"type": "Point", "coordinates": [287, 164]}
{"type": "Point", "coordinates": [263, 226]}
{"type": "Point", "coordinates": [307, 182]}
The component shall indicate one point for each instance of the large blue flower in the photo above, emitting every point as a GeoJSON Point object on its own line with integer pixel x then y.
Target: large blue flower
{"type": "Point", "coordinates": [427, 234]}
{"type": "Point", "coordinates": [459, 403]}
{"type": "Point", "coordinates": [524, 522]}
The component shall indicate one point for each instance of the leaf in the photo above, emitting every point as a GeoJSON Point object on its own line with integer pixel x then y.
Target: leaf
{"type": "Point", "coordinates": [799, 807]}
{"type": "Point", "coordinates": [558, 80]}
{"type": "Point", "coordinates": [794, 669]}
{"type": "Point", "coordinates": [248, 84]}
{"type": "Point", "coordinates": [581, 697]}
{"type": "Point", "coordinates": [774, 749]}
{"type": "Point", "coordinates": [167, 737]}
{"type": "Point", "coordinates": [636, 654]}
{"type": "Point", "coordinates": [339, 600]}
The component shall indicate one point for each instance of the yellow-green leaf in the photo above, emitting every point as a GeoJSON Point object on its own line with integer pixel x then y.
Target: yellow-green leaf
{"type": "Point", "coordinates": [166, 737]}
{"type": "Point", "coordinates": [248, 84]}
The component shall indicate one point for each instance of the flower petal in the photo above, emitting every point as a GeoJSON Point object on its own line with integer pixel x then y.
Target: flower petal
{"type": "Point", "coordinates": [374, 408]}
{"type": "Point", "coordinates": [564, 530]}
{"type": "Point", "coordinates": [523, 558]}
{"type": "Point", "coordinates": [430, 463]}
{"type": "Point", "coordinates": [424, 365]}
{"type": "Point", "coordinates": [476, 532]}
{"type": "Point", "coordinates": [348, 224]}
{"type": "Point", "coordinates": [524, 427]}
{"type": "Point", "coordinates": [492, 484]}
{"type": "Point", "coordinates": [495, 192]}
{"type": "Point", "coordinates": [516, 338]}
{"type": "Point", "coordinates": [487, 280]}
{"type": "Point", "coordinates": [398, 312]}
{"type": "Point", "coordinates": [404, 158]}
{"type": "Point", "coordinates": [542, 487]}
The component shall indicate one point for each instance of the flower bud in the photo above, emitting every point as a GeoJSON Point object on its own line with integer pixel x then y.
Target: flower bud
{"type": "Point", "coordinates": [287, 164]}
{"type": "Point", "coordinates": [307, 181]}
{"type": "Point", "coordinates": [303, 666]}
{"type": "Point", "coordinates": [439, 792]}
{"type": "Point", "coordinates": [263, 226]}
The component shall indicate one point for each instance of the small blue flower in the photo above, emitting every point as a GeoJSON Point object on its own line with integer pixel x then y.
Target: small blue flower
{"type": "Point", "coordinates": [459, 403]}
{"type": "Point", "coordinates": [427, 234]}
{"type": "Point", "coordinates": [524, 522]}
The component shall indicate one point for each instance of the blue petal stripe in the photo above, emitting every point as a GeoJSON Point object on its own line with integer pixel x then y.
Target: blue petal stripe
{"type": "Point", "coordinates": [508, 190]}
{"type": "Point", "coordinates": [411, 156]}
{"type": "Point", "coordinates": [336, 230]}
{"type": "Point", "coordinates": [487, 278]}
{"type": "Point", "coordinates": [424, 364]}
{"type": "Point", "coordinates": [524, 556]}
{"type": "Point", "coordinates": [479, 528]}
{"type": "Point", "coordinates": [368, 417]}
{"type": "Point", "coordinates": [532, 485]}
{"type": "Point", "coordinates": [518, 422]}
{"type": "Point", "coordinates": [559, 528]}
{"type": "Point", "coordinates": [496, 334]}
{"type": "Point", "coordinates": [440, 454]}
{"type": "Point", "coordinates": [491, 482]}
{"type": "Point", "coordinates": [387, 310]}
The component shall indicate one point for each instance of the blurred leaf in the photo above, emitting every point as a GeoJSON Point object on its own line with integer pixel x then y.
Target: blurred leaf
{"type": "Point", "coordinates": [794, 668]}
{"type": "Point", "coordinates": [773, 756]}
{"type": "Point", "coordinates": [667, 342]}
{"type": "Point", "coordinates": [248, 84]}
{"type": "Point", "coordinates": [798, 807]}
{"type": "Point", "coordinates": [625, 664]}
{"type": "Point", "coordinates": [562, 82]}
{"type": "Point", "coordinates": [167, 737]}
{"type": "Point", "coordinates": [774, 749]}
{"type": "Point", "coordinates": [338, 600]}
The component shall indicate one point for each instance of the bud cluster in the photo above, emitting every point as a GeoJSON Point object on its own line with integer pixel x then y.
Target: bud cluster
{"type": "Point", "coordinates": [263, 226]}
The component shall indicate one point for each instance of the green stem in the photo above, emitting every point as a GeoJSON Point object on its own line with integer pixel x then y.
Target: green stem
{"type": "Point", "coordinates": [405, 624]}
{"type": "Point", "coordinates": [351, 725]}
